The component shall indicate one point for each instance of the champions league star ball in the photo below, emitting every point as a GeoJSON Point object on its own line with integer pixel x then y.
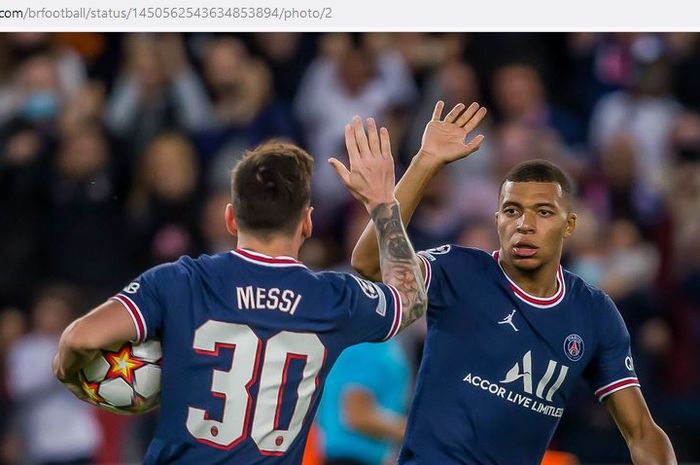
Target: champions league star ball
{"type": "Point", "coordinates": [125, 379]}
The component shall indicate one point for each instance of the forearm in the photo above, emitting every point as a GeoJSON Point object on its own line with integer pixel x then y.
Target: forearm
{"type": "Point", "coordinates": [399, 263]}
{"type": "Point", "coordinates": [651, 447]}
{"type": "Point", "coordinates": [408, 192]}
{"type": "Point", "coordinates": [375, 425]}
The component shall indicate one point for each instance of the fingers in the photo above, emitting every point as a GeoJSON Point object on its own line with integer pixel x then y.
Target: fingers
{"type": "Point", "coordinates": [454, 113]}
{"type": "Point", "coordinates": [360, 137]}
{"type": "Point", "coordinates": [475, 120]}
{"type": "Point", "coordinates": [351, 145]}
{"type": "Point", "coordinates": [437, 111]}
{"type": "Point", "coordinates": [385, 143]}
{"type": "Point", "coordinates": [468, 113]}
{"type": "Point", "coordinates": [341, 170]}
{"type": "Point", "coordinates": [373, 137]}
{"type": "Point", "coordinates": [474, 144]}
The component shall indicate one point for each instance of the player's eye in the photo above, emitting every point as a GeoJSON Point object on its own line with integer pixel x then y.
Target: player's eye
{"type": "Point", "coordinates": [546, 213]}
{"type": "Point", "coordinates": [510, 211]}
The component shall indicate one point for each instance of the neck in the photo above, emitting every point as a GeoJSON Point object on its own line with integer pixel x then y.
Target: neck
{"type": "Point", "coordinates": [539, 282]}
{"type": "Point", "coordinates": [274, 247]}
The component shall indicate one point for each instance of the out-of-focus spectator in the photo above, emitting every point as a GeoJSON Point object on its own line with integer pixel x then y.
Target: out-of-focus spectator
{"type": "Point", "coordinates": [685, 139]}
{"type": "Point", "coordinates": [519, 96]}
{"type": "Point", "coordinates": [215, 236]}
{"type": "Point", "coordinates": [84, 107]}
{"type": "Point", "coordinates": [631, 265]}
{"type": "Point", "coordinates": [617, 192]}
{"type": "Point", "coordinates": [86, 227]}
{"type": "Point", "coordinates": [645, 112]}
{"type": "Point", "coordinates": [287, 54]}
{"type": "Point", "coordinates": [684, 50]}
{"type": "Point", "coordinates": [244, 111]}
{"type": "Point", "coordinates": [362, 411]}
{"type": "Point", "coordinates": [584, 251]}
{"type": "Point", "coordinates": [40, 74]}
{"type": "Point", "coordinates": [23, 168]}
{"type": "Point", "coordinates": [163, 204]}
{"type": "Point", "coordinates": [347, 79]}
{"type": "Point", "coordinates": [603, 63]}
{"type": "Point", "coordinates": [157, 90]}
{"type": "Point", "coordinates": [54, 426]}
{"type": "Point", "coordinates": [13, 325]}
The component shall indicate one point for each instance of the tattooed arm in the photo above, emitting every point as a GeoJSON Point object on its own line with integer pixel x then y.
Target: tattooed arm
{"type": "Point", "coordinates": [398, 262]}
{"type": "Point", "coordinates": [371, 180]}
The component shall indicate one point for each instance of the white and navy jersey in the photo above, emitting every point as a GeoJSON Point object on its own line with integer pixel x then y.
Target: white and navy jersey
{"type": "Point", "coordinates": [499, 364]}
{"type": "Point", "coordinates": [247, 343]}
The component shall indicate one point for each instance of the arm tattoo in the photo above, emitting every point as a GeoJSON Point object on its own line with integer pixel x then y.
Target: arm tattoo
{"type": "Point", "coordinates": [399, 263]}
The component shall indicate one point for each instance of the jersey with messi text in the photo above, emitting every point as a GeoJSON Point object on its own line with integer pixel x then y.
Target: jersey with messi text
{"type": "Point", "coordinates": [248, 341]}
{"type": "Point", "coordinates": [499, 364]}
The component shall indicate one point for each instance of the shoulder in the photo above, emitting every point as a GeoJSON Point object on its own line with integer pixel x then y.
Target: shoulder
{"type": "Point", "coordinates": [457, 255]}
{"type": "Point", "coordinates": [340, 280]}
{"type": "Point", "coordinates": [184, 268]}
{"type": "Point", "coordinates": [587, 295]}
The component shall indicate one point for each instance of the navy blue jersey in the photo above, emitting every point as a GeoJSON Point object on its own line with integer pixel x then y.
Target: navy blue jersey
{"type": "Point", "coordinates": [500, 364]}
{"type": "Point", "coordinates": [247, 343]}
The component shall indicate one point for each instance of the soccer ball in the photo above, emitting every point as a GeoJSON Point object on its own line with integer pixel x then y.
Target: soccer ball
{"type": "Point", "coordinates": [124, 379]}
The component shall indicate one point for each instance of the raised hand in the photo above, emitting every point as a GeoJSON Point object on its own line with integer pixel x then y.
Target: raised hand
{"type": "Point", "coordinates": [371, 175]}
{"type": "Point", "coordinates": [443, 138]}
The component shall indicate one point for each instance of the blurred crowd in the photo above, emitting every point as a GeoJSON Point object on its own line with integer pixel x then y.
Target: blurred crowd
{"type": "Point", "coordinates": [115, 151]}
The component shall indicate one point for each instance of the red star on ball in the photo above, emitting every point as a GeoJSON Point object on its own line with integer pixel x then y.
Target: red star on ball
{"type": "Point", "coordinates": [91, 390]}
{"type": "Point", "coordinates": [122, 364]}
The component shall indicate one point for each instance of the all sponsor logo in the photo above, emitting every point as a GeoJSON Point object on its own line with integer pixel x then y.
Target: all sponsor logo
{"type": "Point", "coordinates": [535, 397]}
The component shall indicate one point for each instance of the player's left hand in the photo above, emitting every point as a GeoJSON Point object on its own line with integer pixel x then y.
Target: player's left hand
{"type": "Point", "coordinates": [371, 175]}
{"type": "Point", "coordinates": [444, 138]}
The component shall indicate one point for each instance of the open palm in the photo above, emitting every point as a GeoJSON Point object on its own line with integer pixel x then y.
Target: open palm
{"type": "Point", "coordinates": [443, 138]}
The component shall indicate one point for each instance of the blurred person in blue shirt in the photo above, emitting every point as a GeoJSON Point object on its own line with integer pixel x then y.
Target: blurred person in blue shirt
{"type": "Point", "coordinates": [362, 412]}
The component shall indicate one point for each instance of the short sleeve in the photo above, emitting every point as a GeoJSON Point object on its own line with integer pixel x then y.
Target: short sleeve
{"type": "Point", "coordinates": [611, 368]}
{"type": "Point", "coordinates": [144, 299]}
{"type": "Point", "coordinates": [373, 309]}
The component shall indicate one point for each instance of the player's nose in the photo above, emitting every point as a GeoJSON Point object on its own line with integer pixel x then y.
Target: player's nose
{"type": "Point", "coordinates": [526, 222]}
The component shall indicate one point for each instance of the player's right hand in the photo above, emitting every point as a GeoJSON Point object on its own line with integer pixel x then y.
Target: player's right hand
{"type": "Point", "coordinates": [443, 138]}
{"type": "Point", "coordinates": [370, 178]}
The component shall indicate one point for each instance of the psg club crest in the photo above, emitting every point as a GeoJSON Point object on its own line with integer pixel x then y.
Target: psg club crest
{"type": "Point", "coordinates": [573, 347]}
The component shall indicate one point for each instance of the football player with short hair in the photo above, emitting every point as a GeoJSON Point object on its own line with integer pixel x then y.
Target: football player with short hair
{"type": "Point", "coordinates": [510, 332]}
{"type": "Point", "coordinates": [249, 336]}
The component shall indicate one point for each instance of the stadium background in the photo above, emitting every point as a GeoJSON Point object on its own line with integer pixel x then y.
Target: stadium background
{"type": "Point", "coordinates": [115, 151]}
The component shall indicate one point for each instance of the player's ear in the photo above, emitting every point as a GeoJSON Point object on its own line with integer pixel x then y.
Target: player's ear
{"type": "Point", "coordinates": [570, 225]}
{"type": "Point", "coordinates": [230, 218]}
{"type": "Point", "coordinates": [307, 225]}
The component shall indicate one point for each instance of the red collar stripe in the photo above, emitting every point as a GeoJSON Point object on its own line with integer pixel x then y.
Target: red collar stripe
{"type": "Point", "coordinates": [539, 302]}
{"type": "Point", "coordinates": [262, 259]}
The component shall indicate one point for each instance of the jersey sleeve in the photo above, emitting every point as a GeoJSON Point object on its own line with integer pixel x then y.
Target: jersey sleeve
{"type": "Point", "coordinates": [437, 278]}
{"type": "Point", "coordinates": [373, 310]}
{"type": "Point", "coordinates": [145, 299]}
{"type": "Point", "coordinates": [611, 368]}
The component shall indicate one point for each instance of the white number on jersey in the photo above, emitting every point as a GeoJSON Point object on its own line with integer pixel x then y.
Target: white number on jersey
{"type": "Point", "coordinates": [233, 386]}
